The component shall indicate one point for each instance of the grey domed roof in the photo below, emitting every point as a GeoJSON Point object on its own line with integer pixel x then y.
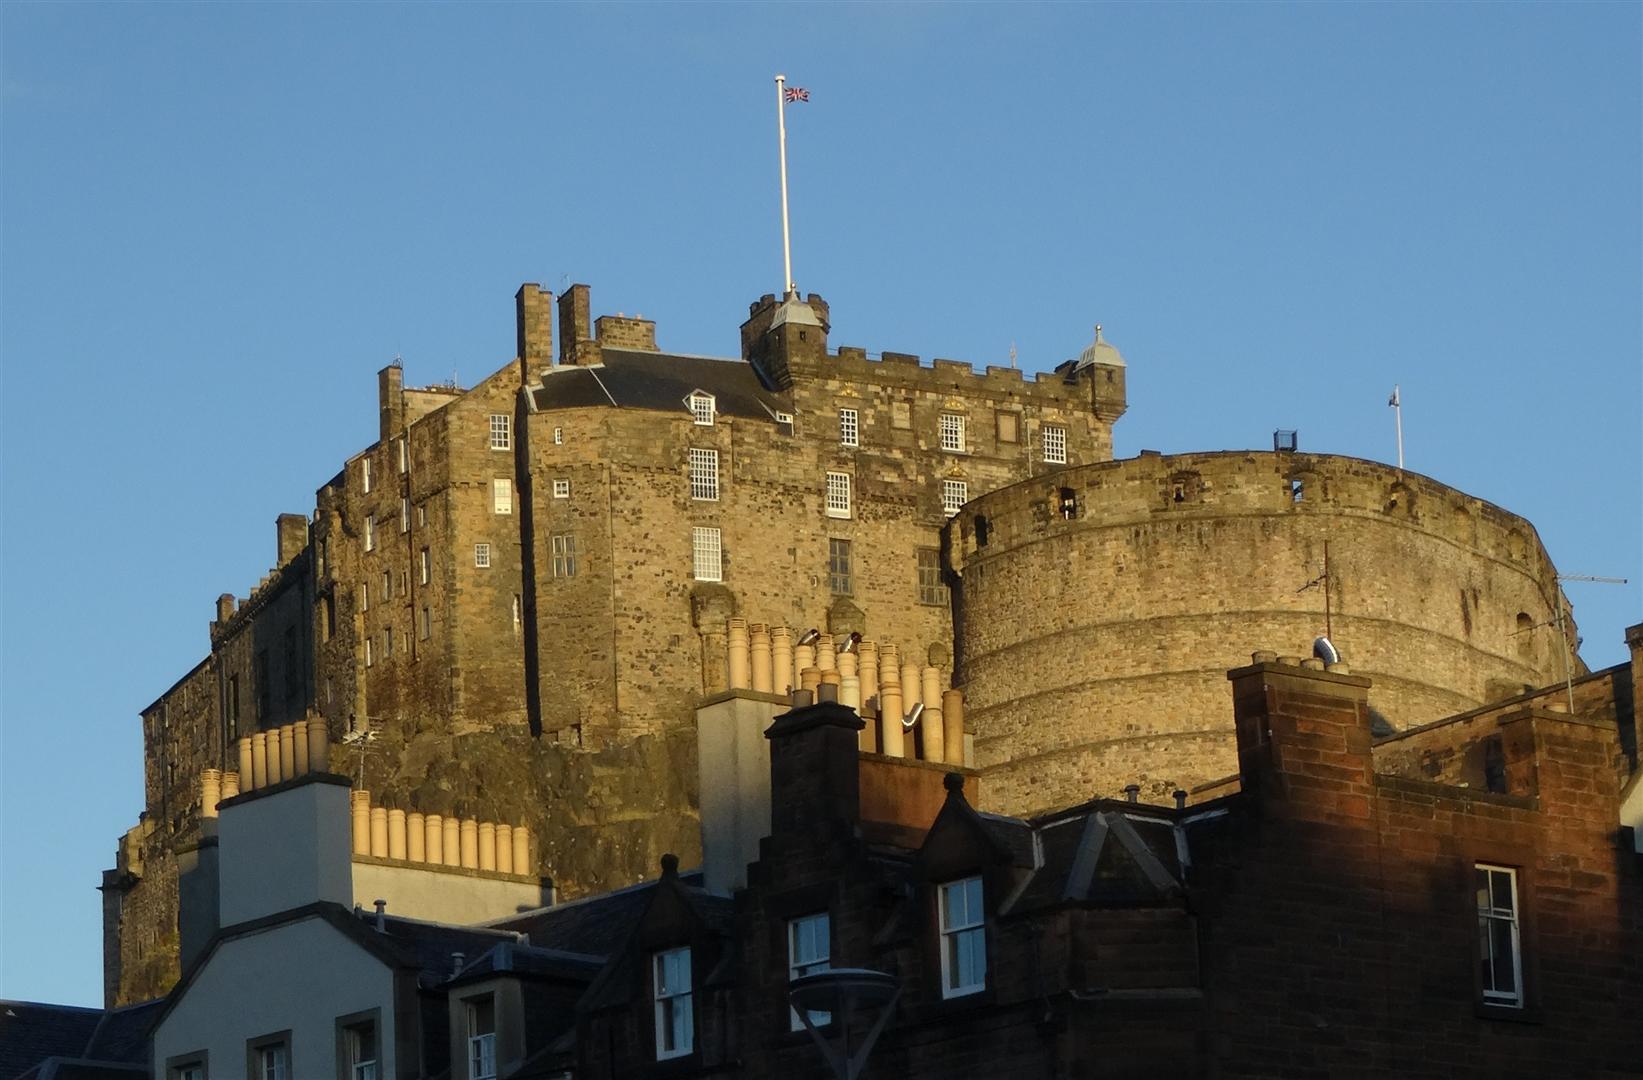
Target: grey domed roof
{"type": "Point", "coordinates": [1099, 352]}
{"type": "Point", "coordinates": [795, 311]}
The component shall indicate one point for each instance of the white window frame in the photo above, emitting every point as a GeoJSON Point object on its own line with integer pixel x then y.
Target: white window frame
{"type": "Point", "coordinates": [707, 553]}
{"type": "Point", "coordinates": [809, 950]}
{"type": "Point", "coordinates": [273, 1061]}
{"type": "Point", "coordinates": [1053, 443]}
{"type": "Point", "coordinates": [952, 429]}
{"type": "Point", "coordinates": [405, 514]}
{"type": "Point", "coordinates": [365, 596]}
{"type": "Point", "coordinates": [672, 1004]}
{"type": "Point", "coordinates": [703, 408]}
{"type": "Point", "coordinates": [963, 924]}
{"type": "Point", "coordinates": [849, 427]}
{"type": "Point", "coordinates": [562, 547]}
{"type": "Point", "coordinates": [502, 495]}
{"type": "Point", "coordinates": [424, 567]}
{"type": "Point", "coordinates": [482, 556]}
{"type": "Point", "coordinates": [561, 489]}
{"type": "Point", "coordinates": [370, 652]}
{"type": "Point", "coordinates": [481, 1057]}
{"type": "Point", "coordinates": [359, 1066]}
{"type": "Point", "coordinates": [558, 436]}
{"type": "Point", "coordinates": [954, 494]}
{"type": "Point", "coordinates": [370, 532]}
{"type": "Point", "coordinates": [1491, 915]}
{"type": "Point", "coordinates": [501, 431]}
{"type": "Point", "coordinates": [784, 418]}
{"type": "Point", "coordinates": [704, 474]}
{"type": "Point", "coordinates": [838, 495]}
{"type": "Point", "coordinates": [404, 457]}
{"type": "Point", "coordinates": [194, 1070]}
{"type": "Point", "coordinates": [365, 474]}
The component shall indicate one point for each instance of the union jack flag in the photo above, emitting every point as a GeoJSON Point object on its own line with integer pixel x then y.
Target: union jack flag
{"type": "Point", "coordinates": [796, 93]}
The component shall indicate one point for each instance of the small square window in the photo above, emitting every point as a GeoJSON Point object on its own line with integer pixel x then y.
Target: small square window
{"type": "Point", "coordinates": [952, 433]}
{"type": "Point", "coordinates": [931, 589]}
{"type": "Point", "coordinates": [707, 556]}
{"type": "Point", "coordinates": [849, 427]}
{"type": "Point", "coordinates": [561, 489]}
{"type": "Point", "coordinates": [501, 431]}
{"type": "Point", "coordinates": [701, 408]}
{"type": "Point", "coordinates": [839, 577]}
{"type": "Point", "coordinates": [704, 474]}
{"type": "Point", "coordinates": [784, 418]}
{"type": "Point", "coordinates": [502, 495]}
{"type": "Point", "coordinates": [564, 554]}
{"type": "Point", "coordinates": [963, 938]}
{"type": "Point", "coordinates": [482, 555]}
{"type": "Point", "coordinates": [1054, 440]}
{"type": "Point", "coordinates": [954, 494]}
{"type": "Point", "coordinates": [671, 993]}
{"type": "Point", "coordinates": [838, 495]}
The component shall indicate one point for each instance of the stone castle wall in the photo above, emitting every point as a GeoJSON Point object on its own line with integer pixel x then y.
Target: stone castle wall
{"type": "Point", "coordinates": [1099, 608]}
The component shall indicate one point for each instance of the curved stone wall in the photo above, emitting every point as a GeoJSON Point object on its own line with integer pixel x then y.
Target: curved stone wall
{"type": "Point", "coordinates": [1099, 609]}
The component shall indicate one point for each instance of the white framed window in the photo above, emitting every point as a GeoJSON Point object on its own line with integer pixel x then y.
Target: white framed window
{"type": "Point", "coordinates": [1054, 441]}
{"type": "Point", "coordinates": [1500, 945]}
{"type": "Point", "coordinates": [702, 408]}
{"type": "Point", "coordinates": [849, 427]}
{"type": "Point", "coordinates": [501, 431]}
{"type": "Point", "coordinates": [404, 458]}
{"type": "Point", "coordinates": [482, 555]}
{"type": "Point", "coordinates": [192, 1071]}
{"type": "Point", "coordinates": [370, 532]}
{"type": "Point", "coordinates": [359, 1048]}
{"type": "Point", "coordinates": [405, 514]}
{"type": "Point", "coordinates": [364, 596]}
{"type": "Point", "coordinates": [706, 554]}
{"type": "Point", "coordinates": [421, 516]}
{"type": "Point", "coordinates": [670, 986]}
{"type": "Point", "coordinates": [272, 1062]}
{"type": "Point", "coordinates": [808, 950]}
{"type": "Point", "coordinates": [561, 489]}
{"type": "Point", "coordinates": [564, 554]}
{"type": "Point", "coordinates": [481, 1033]}
{"type": "Point", "coordinates": [370, 651]}
{"type": "Point", "coordinates": [517, 620]}
{"type": "Point", "coordinates": [704, 474]}
{"type": "Point", "coordinates": [954, 494]}
{"type": "Point", "coordinates": [963, 938]}
{"type": "Point", "coordinates": [952, 433]}
{"type": "Point", "coordinates": [502, 495]}
{"type": "Point", "coordinates": [784, 418]}
{"type": "Point", "coordinates": [558, 436]}
{"type": "Point", "coordinates": [424, 567]}
{"type": "Point", "coordinates": [838, 495]}
{"type": "Point", "coordinates": [365, 474]}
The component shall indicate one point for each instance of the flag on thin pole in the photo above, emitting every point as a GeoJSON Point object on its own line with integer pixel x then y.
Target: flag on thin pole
{"type": "Point", "coordinates": [1396, 401]}
{"type": "Point", "coordinates": [796, 93]}
{"type": "Point", "coordinates": [784, 94]}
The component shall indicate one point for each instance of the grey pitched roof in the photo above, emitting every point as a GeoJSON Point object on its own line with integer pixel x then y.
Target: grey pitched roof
{"type": "Point", "coordinates": [31, 1031]}
{"type": "Point", "coordinates": [592, 925]}
{"type": "Point", "coordinates": [660, 382]}
{"type": "Point", "coordinates": [508, 957]}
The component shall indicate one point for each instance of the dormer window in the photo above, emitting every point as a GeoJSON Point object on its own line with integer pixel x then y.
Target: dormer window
{"type": "Point", "coordinates": [963, 938]}
{"type": "Point", "coordinates": [702, 408]}
{"type": "Point", "coordinates": [670, 983]}
{"type": "Point", "coordinates": [481, 1038]}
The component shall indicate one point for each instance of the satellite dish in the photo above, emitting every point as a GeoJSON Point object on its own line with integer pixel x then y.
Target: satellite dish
{"type": "Point", "coordinates": [1325, 650]}
{"type": "Point", "coordinates": [912, 716]}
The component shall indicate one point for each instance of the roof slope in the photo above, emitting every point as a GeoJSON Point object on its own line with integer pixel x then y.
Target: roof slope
{"type": "Point", "coordinates": [635, 379]}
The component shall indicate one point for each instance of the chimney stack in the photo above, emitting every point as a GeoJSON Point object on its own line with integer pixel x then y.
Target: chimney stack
{"type": "Point", "coordinates": [576, 341]}
{"type": "Point", "coordinates": [391, 400]}
{"type": "Point", "coordinates": [814, 777]}
{"type": "Point", "coordinates": [534, 325]}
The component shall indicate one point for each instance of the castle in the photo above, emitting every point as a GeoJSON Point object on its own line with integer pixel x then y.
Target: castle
{"type": "Point", "coordinates": [510, 604]}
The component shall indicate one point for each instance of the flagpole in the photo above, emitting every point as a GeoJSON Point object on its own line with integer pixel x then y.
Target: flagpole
{"type": "Point", "coordinates": [1397, 412]}
{"type": "Point", "coordinates": [781, 129]}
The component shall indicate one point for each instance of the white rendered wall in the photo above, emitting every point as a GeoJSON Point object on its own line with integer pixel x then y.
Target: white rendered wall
{"type": "Point", "coordinates": [734, 758]}
{"type": "Point", "coordinates": [299, 976]}
{"type": "Point", "coordinates": [284, 849]}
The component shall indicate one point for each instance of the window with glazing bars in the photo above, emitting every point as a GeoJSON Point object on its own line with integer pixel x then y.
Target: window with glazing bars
{"type": "Point", "coordinates": [501, 431]}
{"type": "Point", "coordinates": [849, 427]}
{"type": "Point", "coordinates": [952, 432]}
{"type": "Point", "coordinates": [482, 555]}
{"type": "Point", "coordinates": [481, 1038]}
{"type": "Point", "coordinates": [838, 567]}
{"type": "Point", "coordinates": [502, 495]}
{"type": "Point", "coordinates": [954, 494]}
{"type": "Point", "coordinates": [671, 993]}
{"type": "Point", "coordinates": [564, 554]}
{"type": "Point", "coordinates": [931, 589]}
{"type": "Point", "coordinates": [963, 938]}
{"type": "Point", "coordinates": [838, 495]}
{"type": "Point", "coordinates": [701, 409]}
{"type": "Point", "coordinates": [707, 556]}
{"type": "Point", "coordinates": [704, 474]}
{"type": "Point", "coordinates": [808, 952]}
{"type": "Point", "coordinates": [1499, 941]}
{"type": "Point", "coordinates": [1054, 441]}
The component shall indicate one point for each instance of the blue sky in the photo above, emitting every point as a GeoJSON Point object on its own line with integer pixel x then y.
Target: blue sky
{"type": "Point", "coordinates": [221, 220]}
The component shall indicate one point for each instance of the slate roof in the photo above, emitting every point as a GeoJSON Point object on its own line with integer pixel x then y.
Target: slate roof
{"type": "Point", "coordinates": [593, 925]}
{"type": "Point", "coordinates": [660, 382]}
{"type": "Point", "coordinates": [531, 962]}
{"type": "Point", "coordinates": [66, 1041]}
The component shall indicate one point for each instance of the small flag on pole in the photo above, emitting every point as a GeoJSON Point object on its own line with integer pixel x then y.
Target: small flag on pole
{"type": "Point", "coordinates": [1393, 400]}
{"type": "Point", "coordinates": [797, 93]}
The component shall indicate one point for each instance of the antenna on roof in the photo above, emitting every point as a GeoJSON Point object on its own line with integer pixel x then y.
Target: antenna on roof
{"type": "Point", "coordinates": [1563, 630]}
{"type": "Point", "coordinates": [1012, 355]}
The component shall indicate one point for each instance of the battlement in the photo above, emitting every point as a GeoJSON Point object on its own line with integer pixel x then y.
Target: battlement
{"type": "Point", "coordinates": [1222, 484]}
{"type": "Point", "coordinates": [907, 369]}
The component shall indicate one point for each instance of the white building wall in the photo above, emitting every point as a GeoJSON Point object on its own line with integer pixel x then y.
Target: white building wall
{"type": "Point", "coordinates": [299, 976]}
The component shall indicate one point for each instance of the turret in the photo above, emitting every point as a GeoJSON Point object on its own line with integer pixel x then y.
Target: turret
{"type": "Point", "coordinates": [779, 338]}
